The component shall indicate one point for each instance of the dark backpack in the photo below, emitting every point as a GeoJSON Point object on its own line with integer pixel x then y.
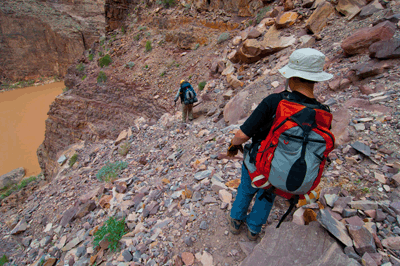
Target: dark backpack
{"type": "Point", "coordinates": [188, 95]}
{"type": "Point", "coordinates": [291, 159]}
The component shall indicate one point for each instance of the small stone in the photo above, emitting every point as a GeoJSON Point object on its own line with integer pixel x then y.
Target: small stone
{"type": "Point", "coordinates": [203, 225]}
{"type": "Point", "coordinates": [392, 242]}
{"type": "Point", "coordinates": [188, 241]}
{"type": "Point", "coordinates": [331, 199]}
{"type": "Point", "coordinates": [187, 258]}
{"type": "Point", "coordinates": [127, 255]}
{"type": "Point", "coordinates": [20, 227]}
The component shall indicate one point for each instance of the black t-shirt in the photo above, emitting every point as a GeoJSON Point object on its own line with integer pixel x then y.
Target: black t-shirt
{"type": "Point", "coordinates": [260, 121]}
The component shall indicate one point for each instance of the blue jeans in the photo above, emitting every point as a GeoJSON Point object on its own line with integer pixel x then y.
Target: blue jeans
{"type": "Point", "coordinates": [261, 208]}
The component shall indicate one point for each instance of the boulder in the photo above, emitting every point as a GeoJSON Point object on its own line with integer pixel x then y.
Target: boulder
{"type": "Point", "coordinates": [385, 49]}
{"type": "Point", "coordinates": [371, 68]}
{"type": "Point", "coordinates": [319, 18]}
{"type": "Point", "coordinates": [12, 178]}
{"type": "Point", "coordinates": [360, 41]}
{"type": "Point", "coordinates": [234, 109]}
{"type": "Point", "coordinates": [253, 50]}
{"type": "Point", "coordinates": [314, 246]}
{"type": "Point", "coordinates": [370, 9]}
{"type": "Point", "coordinates": [218, 67]}
{"type": "Point", "coordinates": [350, 8]}
{"type": "Point", "coordinates": [286, 19]}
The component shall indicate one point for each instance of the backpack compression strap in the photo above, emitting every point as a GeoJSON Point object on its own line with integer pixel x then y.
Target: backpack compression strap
{"type": "Point", "coordinates": [293, 201]}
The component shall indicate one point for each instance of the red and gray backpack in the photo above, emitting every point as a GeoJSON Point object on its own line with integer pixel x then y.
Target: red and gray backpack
{"type": "Point", "coordinates": [291, 159]}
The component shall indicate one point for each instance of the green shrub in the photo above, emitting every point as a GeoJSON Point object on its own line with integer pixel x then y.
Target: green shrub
{"type": "Point", "coordinates": [91, 57]}
{"type": "Point", "coordinates": [223, 37]}
{"type": "Point", "coordinates": [101, 78]}
{"type": "Point", "coordinates": [100, 54]}
{"type": "Point", "coordinates": [261, 14]}
{"type": "Point", "coordinates": [197, 46]}
{"type": "Point", "coordinates": [84, 77]}
{"type": "Point", "coordinates": [123, 30]}
{"type": "Point", "coordinates": [162, 74]}
{"type": "Point", "coordinates": [111, 171]}
{"type": "Point", "coordinates": [65, 89]}
{"type": "Point", "coordinates": [7, 191]}
{"type": "Point", "coordinates": [202, 85]}
{"type": "Point", "coordinates": [124, 148]}
{"type": "Point", "coordinates": [148, 46]}
{"type": "Point", "coordinates": [130, 65]}
{"type": "Point", "coordinates": [168, 3]}
{"type": "Point", "coordinates": [25, 182]}
{"type": "Point", "coordinates": [73, 159]}
{"type": "Point", "coordinates": [80, 67]}
{"type": "Point", "coordinates": [105, 61]}
{"type": "Point", "coordinates": [3, 260]}
{"type": "Point", "coordinates": [113, 230]}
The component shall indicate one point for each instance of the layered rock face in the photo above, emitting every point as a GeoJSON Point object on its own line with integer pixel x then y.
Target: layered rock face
{"type": "Point", "coordinates": [43, 38]}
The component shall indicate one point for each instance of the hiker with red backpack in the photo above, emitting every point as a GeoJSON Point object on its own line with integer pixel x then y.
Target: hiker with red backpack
{"type": "Point", "coordinates": [188, 97]}
{"type": "Point", "coordinates": [291, 140]}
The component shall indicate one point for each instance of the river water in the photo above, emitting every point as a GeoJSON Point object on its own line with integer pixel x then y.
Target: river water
{"type": "Point", "coordinates": [22, 125]}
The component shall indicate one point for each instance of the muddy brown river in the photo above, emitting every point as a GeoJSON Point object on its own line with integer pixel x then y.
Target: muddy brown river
{"type": "Point", "coordinates": [22, 116]}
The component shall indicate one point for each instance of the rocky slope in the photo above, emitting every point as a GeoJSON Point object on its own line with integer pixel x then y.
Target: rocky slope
{"type": "Point", "coordinates": [42, 38]}
{"type": "Point", "coordinates": [177, 186]}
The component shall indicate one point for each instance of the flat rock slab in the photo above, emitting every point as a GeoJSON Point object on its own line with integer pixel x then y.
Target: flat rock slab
{"type": "Point", "coordinates": [313, 246]}
{"type": "Point", "coordinates": [336, 228]}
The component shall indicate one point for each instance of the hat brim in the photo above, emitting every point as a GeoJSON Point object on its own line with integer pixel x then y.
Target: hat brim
{"type": "Point", "coordinates": [288, 72]}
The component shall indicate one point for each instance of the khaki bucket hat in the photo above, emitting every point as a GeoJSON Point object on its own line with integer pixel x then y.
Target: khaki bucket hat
{"type": "Point", "coordinates": [306, 63]}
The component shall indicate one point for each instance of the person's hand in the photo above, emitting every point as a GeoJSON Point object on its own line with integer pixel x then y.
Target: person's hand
{"type": "Point", "coordinates": [234, 149]}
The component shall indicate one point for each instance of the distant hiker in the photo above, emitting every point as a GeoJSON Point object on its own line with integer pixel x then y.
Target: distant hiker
{"type": "Point", "coordinates": [188, 97]}
{"type": "Point", "coordinates": [290, 144]}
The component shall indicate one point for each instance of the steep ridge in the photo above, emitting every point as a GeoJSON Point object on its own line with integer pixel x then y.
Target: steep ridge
{"type": "Point", "coordinates": [178, 186]}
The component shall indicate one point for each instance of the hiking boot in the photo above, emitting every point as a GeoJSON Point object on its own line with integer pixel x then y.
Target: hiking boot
{"type": "Point", "coordinates": [251, 236]}
{"type": "Point", "coordinates": [234, 225]}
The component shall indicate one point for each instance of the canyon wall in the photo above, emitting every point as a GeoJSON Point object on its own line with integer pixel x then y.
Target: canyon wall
{"type": "Point", "coordinates": [43, 38]}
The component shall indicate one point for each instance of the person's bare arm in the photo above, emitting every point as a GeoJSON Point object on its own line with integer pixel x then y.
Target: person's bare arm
{"type": "Point", "coordinates": [239, 138]}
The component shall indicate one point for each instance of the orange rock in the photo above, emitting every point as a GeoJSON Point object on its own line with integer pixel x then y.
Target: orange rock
{"type": "Point", "coordinates": [233, 183]}
{"type": "Point", "coordinates": [165, 181]}
{"type": "Point", "coordinates": [319, 18]}
{"type": "Point", "coordinates": [286, 19]}
{"type": "Point", "coordinates": [309, 216]}
{"type": "Point", "coordinates": [105, 201]}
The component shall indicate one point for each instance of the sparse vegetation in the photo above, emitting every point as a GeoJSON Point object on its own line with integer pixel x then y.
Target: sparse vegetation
{"type": "Point", "coordinates": [123, 30]}
{"type": "Point", "coordinates": [162, 74]}
{"type": "Point", "coordinates": [105, 61]}
{"type": "Point", "coordinates": [124, 148]}
{"type": "Point", "coordinates": [365, 190]}
{"type": "Point", "coordinates": [112, 230]}
{"type": "Point", "coordinates": [111, 171]}
{"type": "Point", "coordinates": [19, 84]}
{"type": "Point", "coordinates": [196, 46]}
{"type": "Point", "coordinates": [101, 78]}
{"type": "Point", "coordinates": [3, 260]}
{"type": "Point", "coordinates": [65, 89]}
{"type": "Point", "coordinates": [168, 3]}
{"type": "Point", "coordinates": [80, 67]}
{"type": "Point", "coordinates": [202, 85]}
{"type": "Point", "coordinates": [91, 57]}
{"type": "Point", "coordinates": [130, 65]}
{"type": "Point", "coordinates": [148, 46]}
{"type": "Point", "coordinates": [223, 37]}
{"type": "Point", "coordinates": [261, 14]}
{"type": "Point", "coordinates": [73, 160]}
{"type": "Point", "coordinates": [84, 77]}
{"type": "Point", "coordinates": [7, 191]}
